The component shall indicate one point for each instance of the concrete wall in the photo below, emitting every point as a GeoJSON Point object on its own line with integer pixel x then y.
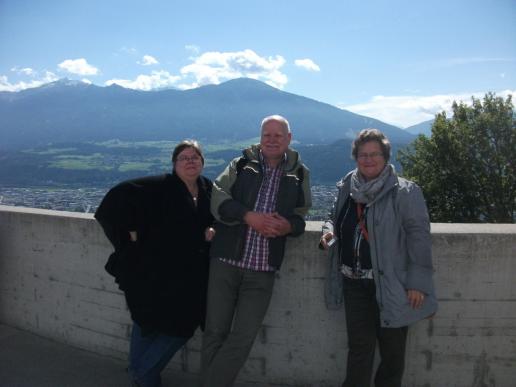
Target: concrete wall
{"type": "Point", "coordinates": [52, 283]}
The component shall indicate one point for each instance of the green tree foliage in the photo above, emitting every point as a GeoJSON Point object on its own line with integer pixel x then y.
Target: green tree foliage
{"type": "Point", "coordinates": [467, 168]}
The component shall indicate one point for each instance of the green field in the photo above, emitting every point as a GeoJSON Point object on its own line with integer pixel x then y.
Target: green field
{"type": "Point", "coordinates": [80, 162]}
{"type": "Point", "coordinates": [124, 157]}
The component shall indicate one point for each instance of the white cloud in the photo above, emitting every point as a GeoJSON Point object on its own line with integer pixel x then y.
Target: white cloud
{"type": "Point", "coordinates": [307, 64]}
{"type": "Point", "coordinates": [24, 71]}
{"type": "Point", "coordinates": [215, 67]}
{"type": "Point", "coordinates": [148, 60]}
{"type": "Point", "coordinates": [47, 77]}
{"type": "Point", "coordinates": [128, 50]}
{"type": "Point", "coordinates": [208, 68]}
{"type": "Point", "coordinates": [193, 48]}
{"type": "Point", "coordinates": [156, 80]}
{"type": "Point", "coordinates": [404, 111]}
{"type": "Point", "coordinates": [78, 66]}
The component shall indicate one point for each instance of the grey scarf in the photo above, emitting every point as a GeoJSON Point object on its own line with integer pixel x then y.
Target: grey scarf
{"type": "Point", "coordinates": [363, 191]}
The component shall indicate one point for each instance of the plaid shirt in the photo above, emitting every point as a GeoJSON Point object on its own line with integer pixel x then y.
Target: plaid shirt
{"type": "Point", "coordinates": [256, 250]}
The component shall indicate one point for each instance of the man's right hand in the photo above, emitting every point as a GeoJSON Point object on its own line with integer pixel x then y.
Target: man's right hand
{"type": "Point", "coordinates": [265, 224]}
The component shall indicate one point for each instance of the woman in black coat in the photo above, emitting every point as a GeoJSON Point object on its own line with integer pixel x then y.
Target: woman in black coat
{"type": "Point", "coordinates": [160, 229]}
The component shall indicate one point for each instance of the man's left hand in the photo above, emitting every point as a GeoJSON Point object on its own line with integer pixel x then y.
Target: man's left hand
{"type": "Point", "coordinates": [280, 225]}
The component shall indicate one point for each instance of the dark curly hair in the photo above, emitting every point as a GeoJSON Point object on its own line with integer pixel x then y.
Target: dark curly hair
{"type": "Point", "coordinates": [187, 144]}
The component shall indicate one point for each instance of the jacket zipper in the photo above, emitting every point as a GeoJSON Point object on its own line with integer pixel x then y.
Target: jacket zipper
{"type": "Point", "coordinates": [379, 279]}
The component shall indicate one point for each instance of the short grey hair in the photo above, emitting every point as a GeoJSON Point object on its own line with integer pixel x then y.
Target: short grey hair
{"type": "Point", "coordinates": [368, 135]}
{"type": "Point", "coordinates": [277, 118]}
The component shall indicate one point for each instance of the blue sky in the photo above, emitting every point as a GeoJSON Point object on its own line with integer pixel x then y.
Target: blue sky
{"type": "Point", "coordinates": [398, 61]}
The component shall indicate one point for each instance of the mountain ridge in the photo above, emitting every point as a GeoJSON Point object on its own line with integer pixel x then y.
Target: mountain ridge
{"type": "Point", "coordinates": [424, 127]}
{"type": "Point", "coordinates": [75, 111]}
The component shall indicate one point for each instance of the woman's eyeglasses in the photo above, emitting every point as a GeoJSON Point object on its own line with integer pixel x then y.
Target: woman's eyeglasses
{"type": "Point", "coordinates": [184, 159]}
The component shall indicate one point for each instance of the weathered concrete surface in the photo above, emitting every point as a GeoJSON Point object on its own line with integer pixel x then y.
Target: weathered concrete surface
{"type": "Point", "coordinates": [52, 283]}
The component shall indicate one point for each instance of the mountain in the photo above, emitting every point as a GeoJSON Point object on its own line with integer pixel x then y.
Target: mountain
{"type": "Point", "coordinates": [424, 127]}
{"type": "Point", "coordinates": [65, 111]}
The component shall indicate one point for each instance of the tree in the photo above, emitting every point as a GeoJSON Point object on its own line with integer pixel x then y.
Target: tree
{"type": "Point", "coordinates": [467, 167]}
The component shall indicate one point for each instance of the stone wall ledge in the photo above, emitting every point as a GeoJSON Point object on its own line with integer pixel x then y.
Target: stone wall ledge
{"type": "Point", "coordinates": [52, 283]}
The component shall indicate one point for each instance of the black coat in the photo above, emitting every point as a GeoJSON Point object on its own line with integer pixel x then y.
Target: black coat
{"type": "Point", "coordinates": [164, 273]}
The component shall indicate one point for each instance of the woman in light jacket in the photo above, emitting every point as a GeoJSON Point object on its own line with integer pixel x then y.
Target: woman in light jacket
{"type": "Point", "coordinates": [380, 261]}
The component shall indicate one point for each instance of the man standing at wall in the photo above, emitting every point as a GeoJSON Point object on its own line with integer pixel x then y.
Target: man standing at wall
{"type": "Point", "coordinates": [259, 200]}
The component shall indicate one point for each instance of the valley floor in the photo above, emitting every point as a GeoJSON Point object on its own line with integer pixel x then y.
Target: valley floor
{"type": "Point", "coordinates": [87, 199]}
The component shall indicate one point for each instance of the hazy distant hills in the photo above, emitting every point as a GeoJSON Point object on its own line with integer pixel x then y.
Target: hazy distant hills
{"type": "Point", "coordinates": [65, 111]}
{"type": "Point", "coordinates": [424, 127]}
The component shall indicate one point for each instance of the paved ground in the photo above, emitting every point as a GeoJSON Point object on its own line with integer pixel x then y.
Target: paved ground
{"type": "Point", "coordinates": [27, 360]}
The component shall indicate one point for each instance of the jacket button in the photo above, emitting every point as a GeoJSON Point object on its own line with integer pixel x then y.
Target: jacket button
{"type": "Point", "coordinates": [386, 322]}
{"type": "Point", "coordinates": [380, 272]}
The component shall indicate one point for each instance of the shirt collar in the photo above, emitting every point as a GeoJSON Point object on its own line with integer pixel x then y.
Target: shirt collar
{"type": "Point", "coordinates": [264, 164]}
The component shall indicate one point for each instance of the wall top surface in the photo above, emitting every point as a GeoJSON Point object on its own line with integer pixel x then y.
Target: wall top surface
{"type": "Point", "coordinates": [311, 226]}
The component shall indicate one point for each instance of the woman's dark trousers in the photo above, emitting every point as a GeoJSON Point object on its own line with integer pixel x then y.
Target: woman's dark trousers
{"type": "Point", "coordinates": [364, 330]}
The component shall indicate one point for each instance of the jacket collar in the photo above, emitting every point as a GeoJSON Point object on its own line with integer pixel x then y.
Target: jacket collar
{"type": "Point", "coordinates": [173, 178]}
{"type": "Point", "coordinates": [293, 159]}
